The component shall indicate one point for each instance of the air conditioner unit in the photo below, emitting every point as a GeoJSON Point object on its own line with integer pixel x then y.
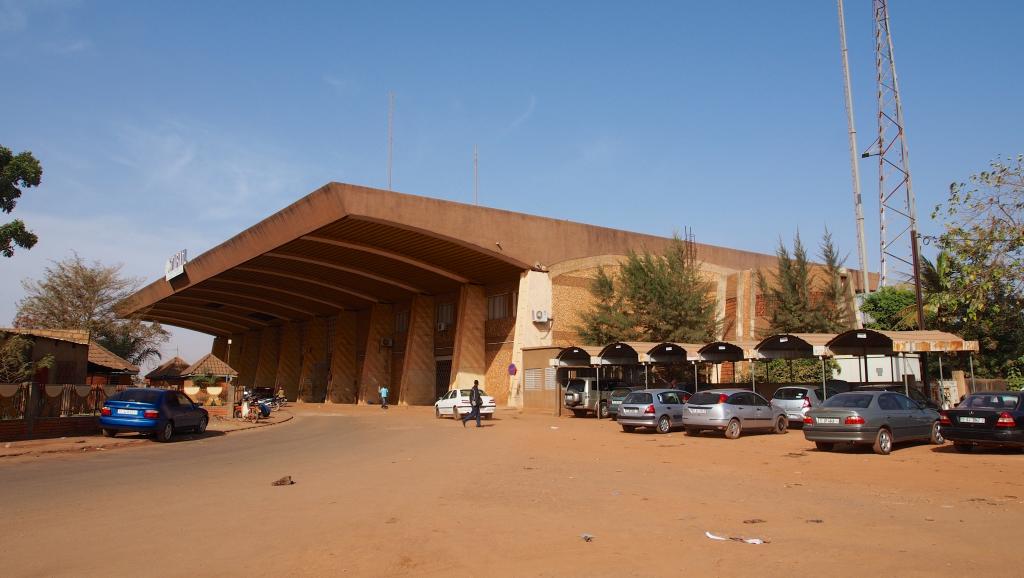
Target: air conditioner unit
{"type": "Point", "coordinates": [386, 342]}
{"type": "Point", "coordinates": [540, 316]}
{"type": "Point", "coordinates": [442, 326]}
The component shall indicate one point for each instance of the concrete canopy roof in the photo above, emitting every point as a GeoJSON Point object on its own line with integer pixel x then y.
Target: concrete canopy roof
{"type": "Point", "coordinates": [345, 247]}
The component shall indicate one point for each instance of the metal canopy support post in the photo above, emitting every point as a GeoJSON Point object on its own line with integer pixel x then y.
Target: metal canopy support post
{"type": "Point", "coordinates": [903, 370]}
{"type": "Point", "coordinates": [753, 384]}
{"type": "Point", "coordinates": [823, 373]}
{"type": "Point", "coordinates": [970, 360]}
{"type": "Point", "coordinates": [646, 380]}
{"type": "Point", "coordinates": [597, 406]}
{"type": "Point", "coordinates": [695, 375]}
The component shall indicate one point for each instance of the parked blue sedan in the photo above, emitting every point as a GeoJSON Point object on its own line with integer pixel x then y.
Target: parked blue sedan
{"type": "Point", "coordinates": [154, 411]}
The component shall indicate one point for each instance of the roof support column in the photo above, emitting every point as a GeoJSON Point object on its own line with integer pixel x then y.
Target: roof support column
{"type": "Point", "coordinates": [344, 382]}
{"type": "Point", "coordinates": [250, 353]}
{"type": "Point", "coordinates": [288, 359]}
{"type": "Point", "coordinates": [418, 369]}
{"type": "Point", "coordinates": [266, 369]}
{"type": "Point", "coordinates": [313, 376]}
{"type": "Point", "coordinates": [534, 295]}
{"type": "Point", "coordinates": [379, 345]}
{"type": "Point", "coordinates": [468, 354]}
{"type": "Point", "coordinates": [220, 348]}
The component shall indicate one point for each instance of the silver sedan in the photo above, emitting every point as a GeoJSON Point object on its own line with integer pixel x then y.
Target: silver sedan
{"type": "Point", "coordinates": [732, 411]}
{"type": "Point", "coordinates": [876, 418]}
{"type": "Point", "coordinates": [661, 409]}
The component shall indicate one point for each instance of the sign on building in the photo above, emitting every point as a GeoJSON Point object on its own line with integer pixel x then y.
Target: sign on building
{"type": "Point", "coordinates": [175, 265]}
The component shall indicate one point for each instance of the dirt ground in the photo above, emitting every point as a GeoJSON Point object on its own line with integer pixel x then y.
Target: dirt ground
{"type": "Point", "coordinates": [399, 492]}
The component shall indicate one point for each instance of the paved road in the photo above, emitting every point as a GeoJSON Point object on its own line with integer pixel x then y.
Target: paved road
{"type": "Point", "coordinates": [401, 493]}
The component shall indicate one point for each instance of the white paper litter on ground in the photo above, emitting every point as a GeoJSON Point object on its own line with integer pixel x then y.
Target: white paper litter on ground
{"type": "Point", "coordinates": [735, 539]}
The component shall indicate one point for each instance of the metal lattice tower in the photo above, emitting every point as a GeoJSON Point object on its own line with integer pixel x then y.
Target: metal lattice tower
{"type": "Point", "coordinates": [897, 209]}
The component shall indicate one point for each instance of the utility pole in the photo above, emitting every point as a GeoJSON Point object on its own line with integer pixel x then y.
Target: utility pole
{"type": "Point", "coordinates": [476, 176]}
{"type": "Point", "coordinates": [858, 209]}
{"type": "Point", "coordinates": [391, 122]}
{"type": "Point", "coordinates": [896, 196]}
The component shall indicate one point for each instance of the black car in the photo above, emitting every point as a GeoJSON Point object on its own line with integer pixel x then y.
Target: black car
{"type": "Point", "coordinates": [911, 392]}
{"type": "Point", "coordinates": [991, 418]}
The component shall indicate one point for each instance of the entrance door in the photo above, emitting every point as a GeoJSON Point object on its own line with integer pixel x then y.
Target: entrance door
{"type": "Point", "coordinates": [443, 374]}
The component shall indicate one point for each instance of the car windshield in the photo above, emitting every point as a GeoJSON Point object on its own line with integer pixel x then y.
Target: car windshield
{"type": "Point", "coordinates": [991, 401]}
{"type": "Point", "coordinates": [638, 397]}
{"type": "Point", "coordinates": [138, 396]}
{"type": "Point", "coordinates": [848, 400]}
{"type": "Point", "coordinates": [705, 398]}
{"type": "Point", "coordinates": [790, 393]}
{"type": "Point", "coordinates": [620, 392]}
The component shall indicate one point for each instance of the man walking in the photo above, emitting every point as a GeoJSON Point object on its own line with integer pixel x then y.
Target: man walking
{"type": "Point", "coordinates": [475, 401]}
{"type": "Point", "coordinates": [383, 391]}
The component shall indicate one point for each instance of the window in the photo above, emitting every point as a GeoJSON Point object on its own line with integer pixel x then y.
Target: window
{"type": "Point", "coordinates": [906, 403]}
{"type": "Point", "coordinates": [184, 401]}
{"type": "Point", "coordinates": [401, 322]}
{"type": "Point", "coordinates": [638, 398]}
{"type": "Point", "coordinates": [742, 399]}
{"type": "Point", "coordinates": [497, 306]}
{"type": "Point", "coordinates": [446, 313]}
{"type": "Point", "coordinates": [758, 400]}
{"type": "Point", "coordinates": [669, 398]}
{"type": "Point", "coordinates": [888, 402]}
{"type": "Point", "coordinates": [849, 400]}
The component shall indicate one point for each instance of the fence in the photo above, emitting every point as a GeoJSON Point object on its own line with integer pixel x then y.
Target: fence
{"type": "Point", "coordinates": [30, 410]}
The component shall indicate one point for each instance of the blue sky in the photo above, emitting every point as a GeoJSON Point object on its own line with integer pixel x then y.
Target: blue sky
{"type": "Point", "coordinates": [174, 125]}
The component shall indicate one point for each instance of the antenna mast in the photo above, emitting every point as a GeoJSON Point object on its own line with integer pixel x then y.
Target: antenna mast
{"type": "Point", "coordinates": [391, 121]}
{"type": "Point", "coordinates": [862, 251]}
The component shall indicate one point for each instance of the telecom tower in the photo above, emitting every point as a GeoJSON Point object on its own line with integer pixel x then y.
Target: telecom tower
{"type": "Point", "coordinates": [897, 215]}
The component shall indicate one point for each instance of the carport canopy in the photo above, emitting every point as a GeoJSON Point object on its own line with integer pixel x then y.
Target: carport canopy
{"type": "Point", "coordinates": [874, 342]}
{"type": "Point", "coordinates": [575, 356]}
{"type": "Point", "coordinates": [794, 346]}
{"type": "Point", "coordinates": [672, 352]}
{"type": "Point", "coordinates": [721, 351]}
{"type": "Point", "coordinates": [619, 353]}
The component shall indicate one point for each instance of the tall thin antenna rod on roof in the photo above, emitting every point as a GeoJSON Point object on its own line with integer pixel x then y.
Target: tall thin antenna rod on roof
{"type": "Point", "coordinates": [476, 176]}
{"type": "Point", "coordinates": [858, 209]}
{"type": "Point", "coordinates": [391, 122]}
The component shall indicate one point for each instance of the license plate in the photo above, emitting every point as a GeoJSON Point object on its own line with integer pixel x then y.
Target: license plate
{"type": "Point", "coordinates": [827, 419]}
{"type": "Point", "coordinates": [629, 410]}
{"type": "Point", "coordinates": [972, 420]}
{"type": "Point", "coordinates": [698, 411]}
{"type": "Point", "coordinates": [127, 412]}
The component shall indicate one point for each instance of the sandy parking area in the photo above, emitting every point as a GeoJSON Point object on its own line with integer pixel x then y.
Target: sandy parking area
{"type": "Point", "coordinates": [402, 493]}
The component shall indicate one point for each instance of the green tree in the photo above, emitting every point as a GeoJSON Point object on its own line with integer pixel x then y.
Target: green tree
{"type": "Point", "coordinates": [981, 294]}
{"type": "Point", "coordinates": [796, 302]}
{"type": "Point", "coordinates": [77, 295]}
{"type": "Point", "coordinates": [17, 172]}
{"type": "Point", "coordinates": [887, 308]}
{"type": "Point", "coordinates": [16, 365]}
{"type": "Point", "coordinates": [653, 298]}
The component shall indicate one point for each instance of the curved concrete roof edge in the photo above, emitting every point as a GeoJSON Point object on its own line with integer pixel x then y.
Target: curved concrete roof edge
{"type": "Point", "coordinates": [498, 233]}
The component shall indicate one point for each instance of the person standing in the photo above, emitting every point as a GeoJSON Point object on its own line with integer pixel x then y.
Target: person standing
{"type": "Point", "coordinates": [475, 401]}
{"type": "Point", "coordinates": [383, 391]}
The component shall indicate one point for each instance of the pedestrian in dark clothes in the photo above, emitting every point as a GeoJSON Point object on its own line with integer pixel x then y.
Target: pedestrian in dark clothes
{"type": "Point", "coordinates": [475, 401]}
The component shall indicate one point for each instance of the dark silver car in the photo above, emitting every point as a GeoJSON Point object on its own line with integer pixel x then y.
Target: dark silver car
{"type": "Point", "coordinates": [732, 411]}
{"type": "Point", "coordinates": [878, 418]}
{"type": "Point", "coordinates": [661, 409]}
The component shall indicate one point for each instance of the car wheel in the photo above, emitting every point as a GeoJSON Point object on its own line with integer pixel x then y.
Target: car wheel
{"type": "Point", "coordinates": [109, 433]}
{"type": "Point", "coordinates": [883, 442]}
{"type": "Point", "coordinates": [664, 425]}
{"type": "Point", "coordinates": [488, 415]}
{"type": "Point", "coordinates": [164, 434]}
{"type": "Point", "coordinates": [437, 412]}
{"type": "Point", "coordinates": [780, 425]}
{"type": "Point", "coordinates": [965, 448]}
{"type": "Point", "coordinates": [628, 428]}
{"type": "Point", "coordinates": [203, 422]}
{"type": "Point", "coordinates": [578, 413]}
{"type": "Point", "coordinates": [937, 438]}
{"type": "Point", "coordinates": [603, 409]}
{"type": "Point", "coordinates": [824, 446]}
{"type": "Point", "coordinates": [734, 429]}
{"type": "Point", "coordinates": [692, 431]}
{"type": "Point", "coordinates": [455, 413]}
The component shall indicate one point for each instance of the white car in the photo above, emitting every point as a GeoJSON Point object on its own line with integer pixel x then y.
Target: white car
{"type": "Point", "coordinates": [456, 404]}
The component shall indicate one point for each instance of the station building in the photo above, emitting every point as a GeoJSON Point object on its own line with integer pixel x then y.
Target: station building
{"type": "Point", "coordinates": [350, 288]}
